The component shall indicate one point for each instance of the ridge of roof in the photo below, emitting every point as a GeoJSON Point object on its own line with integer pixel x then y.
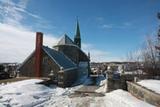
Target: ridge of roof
{"type": "Point", "coordinates": [65, 40]}
{"type": "Point", "coordinates": [73, 46]}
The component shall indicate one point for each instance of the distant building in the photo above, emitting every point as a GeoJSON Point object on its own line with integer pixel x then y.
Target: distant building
{"type": "Point", "coordinates": [8, 70]}
{"type": "Point", "coordinates": [65, 63]}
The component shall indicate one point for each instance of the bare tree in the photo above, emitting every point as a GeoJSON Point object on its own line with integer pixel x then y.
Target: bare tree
{"type": "Point", "coordinates": [146, 55]}
{"type": "Point", "coordinates": [149, 56]}
{"type": "Point", "coordinates": [134, 59]}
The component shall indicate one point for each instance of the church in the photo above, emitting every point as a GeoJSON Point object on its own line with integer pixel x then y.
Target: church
{"type": "Point", "coordinates": [65, 63]}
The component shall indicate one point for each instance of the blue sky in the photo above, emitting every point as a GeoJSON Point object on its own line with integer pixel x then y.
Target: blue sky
{"type": "Point", "coordinates": [109, 28]}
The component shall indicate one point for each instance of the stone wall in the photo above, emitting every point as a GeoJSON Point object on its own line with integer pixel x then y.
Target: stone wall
{"type": "Point", "coordinates": [28, 69]}
{"type": "Point", "coordinates": [144, 93]}
{"type": "Point", "coordinates": [67, 77]}
{"type": "Point", "coordinates": [70, 51]}
{"type": "Point", "coordinates": [70, 77]}
{"type": "Point", "coordinates": [49, 65]}
{"type": "Point", "coordinates": [120, 82]}
{"type": "Point", "coordinates": [113, 84]}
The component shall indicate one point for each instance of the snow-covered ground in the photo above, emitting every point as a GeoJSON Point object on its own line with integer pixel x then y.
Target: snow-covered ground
{"type": "Point", "coordinates": [27, 93]}
{"type": "Point", "coordinates": [153, 85]}
{"type": "Point", "coordinates": [120, 98]}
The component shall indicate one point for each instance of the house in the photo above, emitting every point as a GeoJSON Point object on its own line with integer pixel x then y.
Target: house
{"type": "Point", "coordinates": [64, 63]}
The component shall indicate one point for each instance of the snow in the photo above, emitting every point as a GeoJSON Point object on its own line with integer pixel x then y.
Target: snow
{"type": "Point", "coordinates": [117, 98]}
{"type": "Point", "coordinates": [122, 98]}
{"type": "Point", "coordinates": [103, 87]}
{"type": "Point", "coordinates": [153, 85]}
{"type": "Point", "coordinates": [28, 93]}
{"type": "Point", "coordinates": [134, 72]}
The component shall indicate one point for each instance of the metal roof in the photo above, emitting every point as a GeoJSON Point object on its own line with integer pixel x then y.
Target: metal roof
{"type": "Point", "coordinates": [65, 40]}
{"type": "Point", "coordinates": [59, 58]}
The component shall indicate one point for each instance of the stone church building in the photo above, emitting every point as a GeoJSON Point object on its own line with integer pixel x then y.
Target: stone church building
{"type": "Point", "coordinates": [65, 63]}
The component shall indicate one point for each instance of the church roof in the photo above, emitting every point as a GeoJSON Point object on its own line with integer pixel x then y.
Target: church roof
{"type": "Point", "coordinates": [65, 40]}
{"type": "Point", "coordinates": [59, 58]}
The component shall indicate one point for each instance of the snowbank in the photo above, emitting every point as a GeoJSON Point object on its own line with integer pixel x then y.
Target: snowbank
{"type": "Point", "coordinates": [153, 85]}
{"type": "Point", "coordinates": [120, 98]}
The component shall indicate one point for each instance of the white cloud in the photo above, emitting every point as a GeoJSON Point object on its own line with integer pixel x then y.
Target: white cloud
{"type": "Point", "coordinates": [115, 26]}
{"type": "Point", "coordinates": [100, 18]}
{"type": "Point", "coordinates": [17, 41]}
{"type": "Point", "coordinates": [109, 26]}
{"type": "Point", "coordinates": [98, 55]}
{"type": "Point", "coordinates": [17, 44]}
{"type": "Point", "coordinates": [127, 24]}
{"type": "Point", "coordinates": [13, 13]}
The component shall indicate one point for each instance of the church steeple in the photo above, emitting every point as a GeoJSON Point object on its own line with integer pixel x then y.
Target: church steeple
{"type": "Point", "coordinates": [77, 38]}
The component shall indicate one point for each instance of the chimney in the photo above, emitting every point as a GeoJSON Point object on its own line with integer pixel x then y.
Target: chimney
{"type": "Point", "coordinates": [38, 53]}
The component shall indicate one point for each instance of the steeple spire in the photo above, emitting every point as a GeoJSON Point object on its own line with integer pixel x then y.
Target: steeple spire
{"type": "Point", "coordinates": [78, 30]}
{"type": "Point", "coordinates": [77, 38]}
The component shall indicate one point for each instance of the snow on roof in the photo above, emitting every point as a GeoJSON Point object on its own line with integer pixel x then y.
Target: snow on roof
{"type": "Point", "coordinates": [153, 85]}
